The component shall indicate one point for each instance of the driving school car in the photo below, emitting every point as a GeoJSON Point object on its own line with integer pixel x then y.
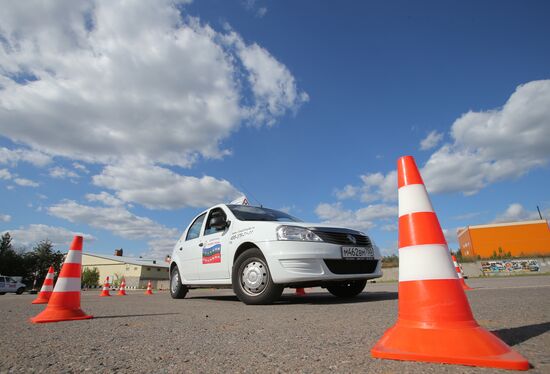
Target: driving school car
{"type": "Point", "coordinates": [259, 251]}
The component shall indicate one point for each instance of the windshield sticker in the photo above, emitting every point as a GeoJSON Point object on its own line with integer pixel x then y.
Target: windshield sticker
{"type": "Point", "coordinates": [241, 233]}
{"type": "Point", "coordinates": [212, 254]}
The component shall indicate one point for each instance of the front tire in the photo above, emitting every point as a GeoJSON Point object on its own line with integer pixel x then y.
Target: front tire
{"type": "Point", "coordinates": [251, 279]}
{"type": "Point", "coordinates": [348, 289]}
{"type": "Point", "coordinates": [177, 289]}
{"type": "Point", "coordinates": [20, 290]}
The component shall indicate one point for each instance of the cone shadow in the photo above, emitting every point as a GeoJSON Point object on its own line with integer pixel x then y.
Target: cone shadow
{"type": "Point", "coordinates": [520, 334]}
{"type": "Point", "coordinates": [136, 315]}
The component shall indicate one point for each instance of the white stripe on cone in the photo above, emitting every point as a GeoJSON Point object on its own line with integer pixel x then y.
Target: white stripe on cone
{"type": "Point", "coordinates": [47, 288]}
{"type": "Point", "coordinates": [74, 257]}
{"type": "Point", "coordinates": [67, 285]}
{"type": "Point", "coordinates": [413, 199]}
{"type": "Point", "coordinates": [428, 261]}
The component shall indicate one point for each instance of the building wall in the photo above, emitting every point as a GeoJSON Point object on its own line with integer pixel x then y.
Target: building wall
{"type": "Point", "coordinates": [136, 276]}
{"type": "Point", "coordinates": [151, 272]}
{"type": "Point", "coordinates": [518, 239]}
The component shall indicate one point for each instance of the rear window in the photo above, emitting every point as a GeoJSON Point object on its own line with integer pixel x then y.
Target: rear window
{"type": "Point", "coordinates": [254, 213]}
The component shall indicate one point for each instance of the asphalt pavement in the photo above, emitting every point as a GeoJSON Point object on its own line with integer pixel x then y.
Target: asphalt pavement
{"type": "Point", "coordinates": [210, 331]}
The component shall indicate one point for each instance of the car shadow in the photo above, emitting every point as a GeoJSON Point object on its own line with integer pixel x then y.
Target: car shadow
{"type": "Point", "coordinates": [517, 335]}
{"type": "Point", "coordinates": [314, 298]}
{"type": "Point", "coordinates": [135, 315]}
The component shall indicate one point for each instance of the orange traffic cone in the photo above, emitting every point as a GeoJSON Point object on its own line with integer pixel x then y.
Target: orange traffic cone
{"type": "Point", "coordinates": [460, 276]}
{"type": "Point", "coordinates": [122, 289]}
{"type": "Point", "coordinates": [46, 290]}
{"type": "Point", "coordinates": [434, 313]}
{"type": "Point", "coordinates": [300, 292]}
{"type": "Point", "coordinates": [149, 289]}
{"type": "Point", "coordinates": [64, 303]}
{"type": "Point", "coordinates": [106, 287]}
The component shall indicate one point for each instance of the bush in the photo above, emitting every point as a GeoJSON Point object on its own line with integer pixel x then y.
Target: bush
{"type": "Point", "coordinates": [390, 261]}
{"type": "Point", "coordinates": [90, 277]}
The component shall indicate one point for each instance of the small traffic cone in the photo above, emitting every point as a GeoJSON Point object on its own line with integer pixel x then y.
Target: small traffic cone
{"type": "Point", "coordinates": [434, 314]}
{"type": "Point", "coordinates": [106, 287]}
{"type": "Point", "coordinates": [122, 289]}
{"type": "Point", "coordinates": [460, 275]}
{"type": "Point", "coordinates": [46, 290]}
{"type": "Point", "coordinates": [300, 292]}
{"type": "Point", "coordinates": [149, 289]}
{"type": "Point", "coordinates": [64, 303]}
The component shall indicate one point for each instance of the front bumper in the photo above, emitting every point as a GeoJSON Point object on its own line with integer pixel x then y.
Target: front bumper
{"type": "Point", "coordinates": [292, 262]}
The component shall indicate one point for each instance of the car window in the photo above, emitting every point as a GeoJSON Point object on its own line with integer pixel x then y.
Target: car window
{"type": "Point", "coordinates": [195, 229]}
{"type": "Point", "coordinates": [2, 279]}
{"type": "Point", "coordinates": [217, 212]}
{"type": "Point", "coordinates": [254, 213]}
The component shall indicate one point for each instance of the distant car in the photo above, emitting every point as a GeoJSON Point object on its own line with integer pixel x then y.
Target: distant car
{"type": "Point", "coordinates": [260, 251]}
{"type": "Point", "coordinates": [8, 284]}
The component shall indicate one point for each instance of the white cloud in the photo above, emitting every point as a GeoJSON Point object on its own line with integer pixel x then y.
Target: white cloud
{"type": "Point", "coordinates": [160, 188]}
{"type": "Point", "coordinates": [516, 212]}
{"type": "Point", "coordinates": [62, 173]}
{"type": "Point", "coordinates": [119, 221]}
{"type": "Point", "coordinates": [25, 182]}
{"type": "Point", "coordinates": [495, 145]}
{"type": "Point", "coordinates": [5, 218]}
{"type": "Point", "coordinates": [8, 156]}
{"type": "Point", "coordinates": [5, 174]}
{"type": "Point", "coordinates": [347, 192]}
{"type": "Point", "coordinates": [105, 198]}
{"type": "Point", "coordinates": [105, 81]}
{"type": "Point", "coordinates": [361, 219]}
{"type": "Point", "coordinates": [377, 186]}
{"type": "Point", "coordinates": [32, 234]}
{"type": "Point", "coordinates": [82, 168]}
{"type": "Point", "coordinates": [431, 141]}
{"type": "Point", "coordinates": [488, 147]}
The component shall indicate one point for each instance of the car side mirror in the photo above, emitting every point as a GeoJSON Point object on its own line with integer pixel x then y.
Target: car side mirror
{"type": "Point", "coordinates": [218, 222]}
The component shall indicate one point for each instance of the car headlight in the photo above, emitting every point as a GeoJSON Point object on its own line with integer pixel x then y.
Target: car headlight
{"type": "Point", "coordinates": [296, 233]}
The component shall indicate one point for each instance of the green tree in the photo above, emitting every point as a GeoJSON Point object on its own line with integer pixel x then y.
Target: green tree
{"type": "Point", "coordinates": [90, 277]}
{"type": "Point", "coordinates": [41, 258]}
{"type": "Point", "coordinates": [11, 261]}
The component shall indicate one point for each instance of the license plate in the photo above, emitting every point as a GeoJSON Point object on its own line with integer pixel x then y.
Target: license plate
{"type": "Point", "coordinates": [357, 252]}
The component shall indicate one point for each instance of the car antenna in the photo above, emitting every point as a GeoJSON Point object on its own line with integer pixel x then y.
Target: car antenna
{"type": "Point", "coordinates": [250, 194]}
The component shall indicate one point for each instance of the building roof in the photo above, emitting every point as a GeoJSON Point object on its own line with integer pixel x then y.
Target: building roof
{"type": "Point", "coordinates": [132, 260]}
{"type": "Point", "coordinates": [537, 222]}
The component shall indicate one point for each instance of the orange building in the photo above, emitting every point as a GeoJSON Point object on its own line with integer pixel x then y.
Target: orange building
{"type": "Point", "coordinates": [519, 238]}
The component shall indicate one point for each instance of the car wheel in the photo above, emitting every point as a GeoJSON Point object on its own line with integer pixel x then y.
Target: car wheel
{"type": "Point", "coordinates": [252, 282]}
{"type": "Point", "coordinates": [20, 290]}
{"type": "Point", "coordinates": [348, 289]}
{"type": "Point", "coordinates": [177, 290]}
{"type": "Point", "coordinates": [2, 293]}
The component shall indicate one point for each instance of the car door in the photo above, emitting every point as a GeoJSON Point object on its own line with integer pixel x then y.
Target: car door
{"type": "Point", "coordinates": [2, 284]}
{"type": "Point", "coordinates": [191, 250]}
{"type": "Point", "coordinates": [216, 257]}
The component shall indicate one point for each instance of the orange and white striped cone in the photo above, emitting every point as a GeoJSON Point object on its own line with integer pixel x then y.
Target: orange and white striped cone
{"type": "Point", "coordinates": [460, 276]}
{"type": "Point", "coordinates": [149, 289]}
{"type": "Point", "coordinates": [106, 287]}
{"type": "Point", "coordinates": [300, 292]}
{"type": "Point", "coordinates": [434, 313]}
{"type": "Point", "coordinates": [64, 303]}
{"type": "Point", "coordinates": [46, 290]}
{"type": "Point", "coordinates": [122, 289]}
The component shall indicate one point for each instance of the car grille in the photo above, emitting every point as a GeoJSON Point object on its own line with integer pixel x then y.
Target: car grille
{"type": "Point", "coordinates": [351, 266]}
{"type": "Point", "coordinates": [342, 237]}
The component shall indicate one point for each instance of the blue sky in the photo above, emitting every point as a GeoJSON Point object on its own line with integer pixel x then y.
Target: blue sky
{"type": "Point", "coordinates": [123, 121]}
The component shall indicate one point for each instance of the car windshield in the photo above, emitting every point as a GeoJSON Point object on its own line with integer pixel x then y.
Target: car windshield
{"type": "Point", "coordinates": [254, 213]}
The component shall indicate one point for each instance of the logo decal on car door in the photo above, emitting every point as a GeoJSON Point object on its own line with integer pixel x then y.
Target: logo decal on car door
{"type": "Point", "coordinates": [212, 254]}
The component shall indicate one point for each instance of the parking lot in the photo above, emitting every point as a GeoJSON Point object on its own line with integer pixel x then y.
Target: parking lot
{"type": "Point", "coordinates": [210, 331]}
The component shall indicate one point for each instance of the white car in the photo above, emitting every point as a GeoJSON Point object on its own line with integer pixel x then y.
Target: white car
{"type": "Point", "coordinates": [8, 284]}
{"type": "Point", "coordinates": [260, 251]}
